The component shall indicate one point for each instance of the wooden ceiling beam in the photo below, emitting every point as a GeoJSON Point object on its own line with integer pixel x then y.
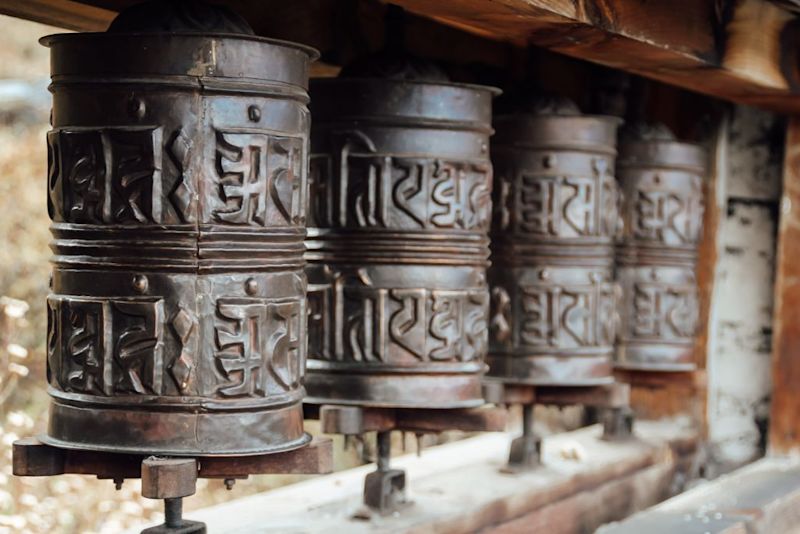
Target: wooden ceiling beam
{"type": "Point", "coordinates": [739, 50]}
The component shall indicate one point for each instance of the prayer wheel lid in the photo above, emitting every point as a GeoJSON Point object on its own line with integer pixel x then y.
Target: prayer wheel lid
{"type": "Point", "coordinates": [556, 123]}
{"type": "Point", "coordinates": [654, 145]}
{"type": "Point", "coordinates": [398, 88]}
{"type": "Point", "coordinates": [179, 38]}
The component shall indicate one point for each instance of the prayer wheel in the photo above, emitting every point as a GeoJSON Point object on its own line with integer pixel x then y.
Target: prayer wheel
{"type": "Point", "coordinates": [177, 190]}
{"type": "Point", "coordinates": [555, 200]}
{"type": "Point", "coordinates": [400, 206]}
{"type": "Point", "coordinates": [662, 183]}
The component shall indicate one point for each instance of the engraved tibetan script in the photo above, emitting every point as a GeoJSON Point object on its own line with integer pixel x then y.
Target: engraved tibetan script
{"type": "Point", "coordinates": [564, 317]}
{"type": "Point", "coordinates": [110, 175]}
{"type": "Point", "coordinates": [258, 345]}
{"type": "Point", "coordinates": [667, 217]}
{"type": "Point", "coordinates": [369, 324]}
{"type": "Point", "coordinates": [367, 189]}
{"type": "Point", "coordinates": [664, 311]}
{"type": "Point", "coordinates": [260, 179]}
{"type": "Point", "coordinates": [563, 206]}
{"type": "Point", "coordinates": [106, 347]}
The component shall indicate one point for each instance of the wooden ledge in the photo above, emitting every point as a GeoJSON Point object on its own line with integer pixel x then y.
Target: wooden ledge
{"type": "Point", "coordinates": [763, 497]}
{"type": "Point", "coordinates": [458, 487]}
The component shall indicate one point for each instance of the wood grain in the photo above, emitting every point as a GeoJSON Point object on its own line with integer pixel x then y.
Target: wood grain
{"type": "Point", "coordinates": [784, 430]}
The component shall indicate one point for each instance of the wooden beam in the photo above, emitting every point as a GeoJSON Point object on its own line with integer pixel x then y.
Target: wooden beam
{"type": "Point", "coordinates": [743, 51]}
{"type": "Point", "coordinates": [62, 13]}
{"type": "Point", "coordinates": [784, 426]}
{"type": "Point", "coordinates": [739, 50]}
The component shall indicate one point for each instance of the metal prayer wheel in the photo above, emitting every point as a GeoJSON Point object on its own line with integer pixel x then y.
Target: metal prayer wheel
{"type": "Point", "coordinates": [400, 196]}
{"type": "Point", "coordinates": [662, 182]}
{"type": "Point", "coordinates": [177, 190]}
{"type": "Point", "coordinates": [555, 218]}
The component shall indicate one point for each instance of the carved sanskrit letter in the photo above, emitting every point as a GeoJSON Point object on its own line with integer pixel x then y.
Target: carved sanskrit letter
{"type": "Point", "coordinates": [539, 324]}
{"type": "Point", "coordinates": [283, 348]}
{"type": "Point", "coordinates": [447, 325]}
{"type": "Point", "coordinates": [85, 334]}
{"type": "Point", "coordinates": [539, 211]}
{"type": "Point", "coordinates": [580, 205]}
{"type": "Point", "coordinates": [242, 166]}
{"type": "Point", "coordinates": [138, 330]}
{"type": "Point", "coordinates": [408, 325]}
{"type": "Point", "coordinates": [239, 341]}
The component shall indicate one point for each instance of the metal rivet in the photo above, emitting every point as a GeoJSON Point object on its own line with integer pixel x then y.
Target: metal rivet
{"type": "Point", "coordinates": [136, 108]}
{"type": "Point", "coordinates": [251, 286]}
{"type": "Point", "coordinates": [140, 283]}
{"type": "Point", "coordinates": [544, 274]}
{"type": "Point", "coordinates": [484, 148]}
{"type": "Point", "coordinates": [254, 113]}
{"type": "Point", "coordinates": [656, 179]}
{"type": "Point", "coordinates": [549, 161]}
{"type": "Point", "coordinates": [653, 274]}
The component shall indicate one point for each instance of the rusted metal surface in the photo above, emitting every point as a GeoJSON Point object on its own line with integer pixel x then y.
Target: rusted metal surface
{"type": "Point", "coordinates": [555, 219]}
{"type": "Point", "coordinates": [177, 190]}
{"type": "Point", "coordinates": [399, 212]}
{"type": "Point", "coordinates": [662, 182]}
{"type": "Point", "coordinates": [33, 458]}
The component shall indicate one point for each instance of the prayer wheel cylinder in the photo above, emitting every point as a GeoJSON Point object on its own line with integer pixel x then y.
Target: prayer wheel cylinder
{"type": "Point", "coordinates": [177, 190]}
{"type": "Point", "coordinates": [400, 193]}
{"type": "Point", "coordinates": [662, 183]}
{"type": "Point", "coordinates": [555, 218]}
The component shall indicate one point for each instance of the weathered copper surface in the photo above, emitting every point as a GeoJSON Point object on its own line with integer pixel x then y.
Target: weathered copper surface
{"type": "Point", "coordinates": [400, 189]}
{"type": "Point", "coordinates": [555, 218]}
{"type": "Point", "coordinates": [177, 190]}
{"type": "Point", "coordinates": [662, 182]}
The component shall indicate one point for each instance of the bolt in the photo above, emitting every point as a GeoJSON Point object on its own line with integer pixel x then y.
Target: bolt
{"type": "Point", "coordinates": [229, 482]}
{"type": "Point", "coordinates": [251, 286]}
{"type": "Point", "coordinates": [254, 113]}
{"type": "Point", "coordinates": [136, 108]}
{"type": "Point", "coordinates": [140, 283]}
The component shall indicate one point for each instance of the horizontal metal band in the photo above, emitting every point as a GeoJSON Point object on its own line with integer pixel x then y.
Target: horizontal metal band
{"type": "Point", "coordinates": [196, 433]}
{"type": "Point", "coordinates": [552, 369]}
{"type": "Point", "coordinates": [398, 247]}
{"type": "Point", "coordinates": [185, 248]}
{"type": "Point", "coordinates": [401, 390]}
{"type": "Point", "coordinates": [186, 83]}
{"type": "Point", "coordinates": [427, 367]}
{"type": "Point", "coordinates": [557, 253]}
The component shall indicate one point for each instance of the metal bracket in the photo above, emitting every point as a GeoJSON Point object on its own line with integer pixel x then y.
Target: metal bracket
{"type": "Point", "coordinates": [525, 452]}
{"type": "Point", "coordinates": [384, 489]}
{"type": "Point", "coordinates": [167, 478]}
{"type": "Point", "coordinates": [354, 420]}
{"type": "Point", "coordinates": [171, 479]}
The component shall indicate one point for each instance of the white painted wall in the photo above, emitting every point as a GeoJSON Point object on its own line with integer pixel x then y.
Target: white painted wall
{"type": "Point", "coordinates": [749, 161]}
